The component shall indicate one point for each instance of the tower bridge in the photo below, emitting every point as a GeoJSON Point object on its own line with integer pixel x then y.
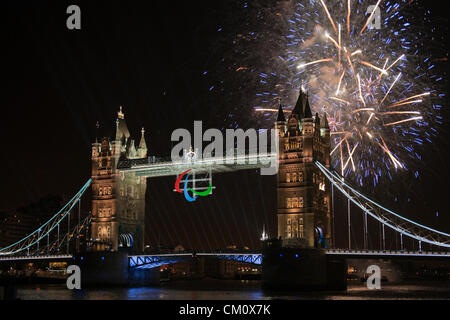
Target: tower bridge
{"type": "Point", "coordinates": [305, 182]}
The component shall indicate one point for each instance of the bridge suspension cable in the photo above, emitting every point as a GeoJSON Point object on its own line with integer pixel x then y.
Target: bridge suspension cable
{"type": "Point", "coordinates": [43, 231]}
{"type": "Point", "coordinates": [402, 225]}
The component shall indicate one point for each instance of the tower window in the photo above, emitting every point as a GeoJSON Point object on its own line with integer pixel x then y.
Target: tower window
{"type": "Point", "coordinates": [300, 202]}
{"type": "Point", "coordinates": [288, 177]}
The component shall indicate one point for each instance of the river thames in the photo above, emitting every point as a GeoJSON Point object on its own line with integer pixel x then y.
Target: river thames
{"type": "Point", "coordinates": [236, 290]}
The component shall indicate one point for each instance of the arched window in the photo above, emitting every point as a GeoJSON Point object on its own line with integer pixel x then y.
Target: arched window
{"type": "Point", "coordinates": [294, 177]}
{"type": "Point", "coordinates": [289, 203]}
{"type": "Point", "coordinates": [300, 202]}
{"type": "Point", "coordinates": [100, 232]}
{"type": "Point", "coordinates": [295, 229]}
{"type": "Point", "coordinates": [288, 177]}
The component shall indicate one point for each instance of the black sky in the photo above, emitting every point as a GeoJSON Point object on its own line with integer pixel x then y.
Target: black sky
{"type": "Point", "coordinates": [148, 56]}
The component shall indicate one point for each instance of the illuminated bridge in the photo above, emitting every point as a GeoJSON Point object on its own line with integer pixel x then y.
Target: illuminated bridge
{"type": "Point", "coordinates": [57, 239]}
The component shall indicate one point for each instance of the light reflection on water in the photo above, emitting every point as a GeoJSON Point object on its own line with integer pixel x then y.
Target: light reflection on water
{"type": "Point", "coordinates": [232, 290]}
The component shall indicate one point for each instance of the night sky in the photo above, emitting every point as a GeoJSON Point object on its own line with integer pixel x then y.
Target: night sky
{"type": "Point", "coordinates": [149, 57]}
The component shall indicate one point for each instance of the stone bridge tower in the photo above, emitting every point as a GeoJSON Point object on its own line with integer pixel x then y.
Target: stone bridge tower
{"type": "Point", "coordinates": [118, 199]}
{"type": "Point", "coordinates": [304, 218]}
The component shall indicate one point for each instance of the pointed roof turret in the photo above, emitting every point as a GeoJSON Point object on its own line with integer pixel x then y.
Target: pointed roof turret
{"type": "Point", "coordinates": [299, 106]}
{"type": "Point", "coordinates": [117, 131]}
{"type": "Point", "coordinates": [307, 112]}
{"type": "Point", "coordinates": [281, 117]}
{"type": "Point", "coordinates": [120, 114]}
{"type": "Point", "coordinates": [142, 144]}
{"type": "Point", "coordinates": [324, 124]}
{"type": "Point", "coordinates": [97, 131]}
{"type": "Point", "coordinates": [142, 150]}
{"type": "Point", "coordinates": [122, 132]}
{"type": "Point", "coordinates": [132, 153]}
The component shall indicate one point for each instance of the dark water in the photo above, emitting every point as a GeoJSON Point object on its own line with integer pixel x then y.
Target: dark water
{"type": "Point", "coordinates": [234, 290]}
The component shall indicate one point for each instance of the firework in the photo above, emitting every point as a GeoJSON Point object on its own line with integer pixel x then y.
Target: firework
{"type": "Point", "coordinates": [371, 83]}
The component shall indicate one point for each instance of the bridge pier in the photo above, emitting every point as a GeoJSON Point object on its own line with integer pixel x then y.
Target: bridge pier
{"type": "Point", "coordinates": [301, 269]}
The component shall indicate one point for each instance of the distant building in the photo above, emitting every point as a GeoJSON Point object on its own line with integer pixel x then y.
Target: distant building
{"type": "Point", "coordinates": [19, 223]}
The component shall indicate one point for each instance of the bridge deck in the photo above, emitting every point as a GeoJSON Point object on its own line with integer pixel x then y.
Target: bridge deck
{"type": "Point", "coordinates": [213, 165]}
{"type": "Point", "coordinates": [254, 258]}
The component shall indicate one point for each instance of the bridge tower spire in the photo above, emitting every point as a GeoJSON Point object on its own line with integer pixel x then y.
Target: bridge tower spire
{"type": "Point", "coordinates": [303, 211]}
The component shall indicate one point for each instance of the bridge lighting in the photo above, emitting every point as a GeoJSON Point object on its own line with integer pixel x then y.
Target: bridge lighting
{"type": "Point", "coordinates": [264, 235]}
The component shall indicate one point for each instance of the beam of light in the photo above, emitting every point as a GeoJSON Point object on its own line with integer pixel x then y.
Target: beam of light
{"type": "Point", "coordinates": [403, 121]}
{"type": "Point", "coordinates": [360, 92]}
{"type": "Point", "coordinates": [389, 153]}
{"type": "Point", "coordinates": [268, 110]}
{"type": "Point", "coordinates": [393, 84]}
{"type": "Point", "coordinates": [338, 145]}
{"type": "Point", "coordinates": [338, 133]}
{"type": "Point", "coordinates": [404, 103]}
{"type": "Point", "coordinates": [342, 160]}
{"type": "Point", "coordinates": [340, 48]}
{"type": "Point", "coordinates": [400, 112]}
{"type": "Point", "coordinates": [393, 64]}
{"type": "Point", "coordinates": [384, 69]}
{"type": "Point", "coordinates": [340, 100]}
{"type": "Point", "coordinates": [335, 43]}
{"type": "Point", "coordinates": [350, 156]}
{"type": "Point", "coordinates": [370, 118]}
{"type": "Point", "coordinates": [373, 67]}
{"type": "Point", "coordinates": [363, 110]}
{"type": "Point", "coordinates": [329, 15]}
{"type": "Point", "coordinates": [340, 82]}
{"type": "Point", "coordinates": [313, 62]}
{"type": "Point", "coordinates": [370, 17]}
{"type": "Point", "coordinates": [414, 97]}
{"type": "Point", "coordinates": [348, 17]}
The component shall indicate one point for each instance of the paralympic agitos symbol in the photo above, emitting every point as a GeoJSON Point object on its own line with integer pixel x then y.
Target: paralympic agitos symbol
{"type": "Point", "coordinates": [186, 189]}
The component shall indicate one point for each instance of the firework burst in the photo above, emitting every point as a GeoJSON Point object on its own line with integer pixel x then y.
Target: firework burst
{"type": "Point", "coordinates": [371, 82]}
